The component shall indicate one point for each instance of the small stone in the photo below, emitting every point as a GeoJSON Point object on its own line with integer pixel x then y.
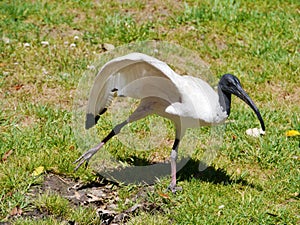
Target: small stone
{"type": "Point", "coordinates": [44, 71]}
{"type": "Point", "coordinates": [91, 67]}
{"type": "Point", "coordinates": [221, 206]}
{"type": "Point", "coordinates": [191, 28]}
{"type": "Point", "coordinates": [45, 43]}
{"type": "Point", "coordinates": [108, 47]}
{"type": "Point", "coordinates": [6, 40]}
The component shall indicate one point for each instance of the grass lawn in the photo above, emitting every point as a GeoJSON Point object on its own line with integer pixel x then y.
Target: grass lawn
{"type": "Point", "coordinates": [47, 45]}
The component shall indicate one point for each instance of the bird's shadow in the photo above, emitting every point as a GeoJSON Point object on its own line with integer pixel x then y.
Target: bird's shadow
{"type": "Point", "coordinates": [143, 171]}
{"type": "Point", "coordinates": [210, 174]}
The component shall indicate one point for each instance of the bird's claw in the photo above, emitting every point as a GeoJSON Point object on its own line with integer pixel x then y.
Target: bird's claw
{"type": "Point", "coordinates": [80, 161]}
{"type": "Point", "coordinates": [85, 158]}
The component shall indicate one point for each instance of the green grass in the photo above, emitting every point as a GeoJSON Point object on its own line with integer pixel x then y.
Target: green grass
{"type": "Point", "coordinates": [257, 180]}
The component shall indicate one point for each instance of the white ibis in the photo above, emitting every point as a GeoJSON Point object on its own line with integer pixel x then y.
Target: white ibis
{"type": "Point", "coordinates": [187, 101]}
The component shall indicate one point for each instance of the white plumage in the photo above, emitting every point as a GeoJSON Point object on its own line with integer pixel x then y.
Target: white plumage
{"type": "Point", "coordinates": [140, 76]}
{"type": "Point", "coordinates": [187, 101]}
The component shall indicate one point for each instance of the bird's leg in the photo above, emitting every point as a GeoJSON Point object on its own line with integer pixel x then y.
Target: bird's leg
{"type": "Point", "coordinates": [173, 158]}
{"type": "Point", "coordinates": [89, 154]}
{"type": "Point", "coordinates": [142, 110]}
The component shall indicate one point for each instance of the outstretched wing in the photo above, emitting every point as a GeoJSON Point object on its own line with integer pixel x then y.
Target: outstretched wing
{"type": "Point", "coordinates": [134, 75]}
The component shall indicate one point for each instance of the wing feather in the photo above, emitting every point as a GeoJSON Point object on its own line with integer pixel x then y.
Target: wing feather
{"type": "Point", "coordinates": [139, 76]}
{"type": "Point", "coordinates": [131, 75]}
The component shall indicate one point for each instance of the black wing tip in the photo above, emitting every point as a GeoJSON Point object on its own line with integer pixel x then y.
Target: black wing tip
{"type": "Point", "coordinates": [89, 121]}
{"type": "Point", "coordinates": [92, 120]}
{"type": "Point", "coordinates": [103, 111]}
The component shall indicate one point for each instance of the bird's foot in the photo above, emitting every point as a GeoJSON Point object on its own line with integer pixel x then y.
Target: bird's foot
{"type": "Point", "coordinates": [87, 156]}
{"type": "Point", "coordinates": [174, 188]}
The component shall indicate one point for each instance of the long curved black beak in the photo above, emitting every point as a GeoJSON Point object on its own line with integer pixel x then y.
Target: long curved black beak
{"type": "Point", "coordinates": [241, 93]}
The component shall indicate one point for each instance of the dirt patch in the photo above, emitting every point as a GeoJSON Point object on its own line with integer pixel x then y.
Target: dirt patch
{"type": "Point", "coordinates": [101, 195]}
{"type": "Point", "coordinates": [44, 95]}
{"type": "Point", "coordinates": [284, 92]}
{"type": "Point", "coordinates": [154, 10]}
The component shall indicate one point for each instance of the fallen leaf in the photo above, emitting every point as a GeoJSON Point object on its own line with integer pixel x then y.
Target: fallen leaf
{"type": "Point", "coordinates": [163, 195]}
{"type": "Point", "coordinates": [18, 86]}
{"type": "Point", "coordinates": [93, 198]}
{"type": "Point", "coordinates": [77, 195]}
{"type": "Point", "coordinates": [292, 133]}
{"type": "Point", "coordinates": [16, 211]}
{"type": "Point", "coordinates": [38, 171]}
{"type": "Point", "coordinates": [6, 155]}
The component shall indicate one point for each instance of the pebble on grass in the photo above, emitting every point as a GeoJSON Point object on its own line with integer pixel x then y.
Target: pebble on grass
{"type": "Point", "coordinates": [45, 43]}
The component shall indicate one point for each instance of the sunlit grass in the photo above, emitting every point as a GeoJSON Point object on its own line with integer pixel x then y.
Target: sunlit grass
{"type": "Point", "coordinates": [45, 48]}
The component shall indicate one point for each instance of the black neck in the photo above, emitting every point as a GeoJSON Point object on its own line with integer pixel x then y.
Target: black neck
{"type": "Point", "coordinates": [224, 100]}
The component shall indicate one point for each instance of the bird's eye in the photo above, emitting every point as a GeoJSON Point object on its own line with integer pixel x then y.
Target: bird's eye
{"type": "Point", "coordinates": [230, 82]}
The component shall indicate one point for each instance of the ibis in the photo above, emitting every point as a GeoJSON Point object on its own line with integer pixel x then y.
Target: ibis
{"type": "Point", "coordinates": [186, 100]}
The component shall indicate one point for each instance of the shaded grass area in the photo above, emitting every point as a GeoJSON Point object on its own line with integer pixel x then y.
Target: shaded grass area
{"type": "Point", "coordinates": [45, 48]}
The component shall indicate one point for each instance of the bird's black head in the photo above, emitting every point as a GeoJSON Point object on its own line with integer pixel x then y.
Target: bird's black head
{"type": "Point", "coordinates": [230, 84]}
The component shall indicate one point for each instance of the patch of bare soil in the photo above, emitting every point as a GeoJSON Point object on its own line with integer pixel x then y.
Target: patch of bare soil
{"type": "Point", "coordinates": [154, 10]}
{"type": "Point", "coordinates": [283, 92]}
{"type": "Point", "coordinates": [102, 195]}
